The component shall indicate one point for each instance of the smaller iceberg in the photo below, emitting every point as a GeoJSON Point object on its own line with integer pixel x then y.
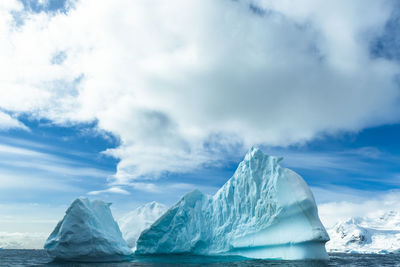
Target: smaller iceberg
{"type": "Point", "coordinates": [133, 223]}
{"type": "Point", "coordinates": [87, 233]}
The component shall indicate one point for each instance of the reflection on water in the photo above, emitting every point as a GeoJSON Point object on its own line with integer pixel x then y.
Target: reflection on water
{"type": "Point", "coordinates": [40, 258]}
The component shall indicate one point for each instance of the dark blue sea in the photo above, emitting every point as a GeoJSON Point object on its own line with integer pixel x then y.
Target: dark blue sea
{"type": "Point", "coordinates": [22, 257]}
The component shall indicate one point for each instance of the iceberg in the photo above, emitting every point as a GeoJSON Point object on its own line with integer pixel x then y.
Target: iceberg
{"type": "Point", "coordinates": [263, 211]}
{"type": "Point", "coordinates": [87, 233]}
{"type": "Point", "coordinates": [378, 233]}
{"type": "Point", "coordinates": [133, 223]}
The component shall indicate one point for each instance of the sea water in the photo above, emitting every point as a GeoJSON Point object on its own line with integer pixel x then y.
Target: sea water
{"type": "Point", "coordinates": [23, 257]}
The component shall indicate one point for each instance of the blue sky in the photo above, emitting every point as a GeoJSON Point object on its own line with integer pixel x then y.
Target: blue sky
{"type": "Point", "coordinates": [66, 162]}
{"type": "Point", "coordinates": [132, 103]}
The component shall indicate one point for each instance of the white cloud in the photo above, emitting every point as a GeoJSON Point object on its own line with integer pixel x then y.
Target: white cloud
{"type": "Point", "coordinates": [168, 82]}
{"type": "Point", "coordinates": [43, 2]}
{"type": "Point", "coordinates": [115, 190]}
{"type": "Point", "coordinates": [16, 158]}
{"type": "Point", "coordinates": [146, 187]}
{"type": "Point", "coordinates": [366, 204]}
{"type": "Point", "coordinates": [7, 122]}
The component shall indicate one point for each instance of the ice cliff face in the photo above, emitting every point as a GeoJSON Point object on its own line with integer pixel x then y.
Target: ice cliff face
{"type": "Point", "coordinates": [263, 211]}
{"type": "Point", "coordinates": [379, 234]}
{"type": "Point", "coordinates": [89, 233]}
{"type": "Point", "coordinates": [133, 223]}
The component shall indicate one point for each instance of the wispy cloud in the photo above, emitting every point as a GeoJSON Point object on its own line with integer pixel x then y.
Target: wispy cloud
{"type": "Point", "coordinates": [30, 159]}
{"type": "Point", "coordinates": [26, 181]}
{"type": "Point", "coordinates": [30, 170]}
{"type": "Point", "coordinates": [368, 162]}
{"type": "Point", "coordinates": [315, 160]}
{"type": "Point", "coordinates": [55, 169]}
{"type": "Point", "coordinates": [113, 190]}
{"type": "Point", "coordinates": [18, 142]}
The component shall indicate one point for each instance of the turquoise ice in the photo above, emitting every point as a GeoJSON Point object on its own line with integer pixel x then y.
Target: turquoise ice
{"type": "Point", "coordinates": [263, 211]}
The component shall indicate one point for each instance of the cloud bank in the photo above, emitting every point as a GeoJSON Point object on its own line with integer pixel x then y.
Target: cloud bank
{"type": "Point", "coordinates": [183, 83]}
{"type": "Point", "coordinates": [372, 205]}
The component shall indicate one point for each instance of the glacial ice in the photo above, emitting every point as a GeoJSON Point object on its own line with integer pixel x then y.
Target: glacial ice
{"type": "Point", "coordinates": [263, 211]}
{"type": "Point", "coordinates": [87, 233]}
{"type": "Point", "coordinates": [376, 233]}
{"type": "Point", "coordinates": [133, 223]}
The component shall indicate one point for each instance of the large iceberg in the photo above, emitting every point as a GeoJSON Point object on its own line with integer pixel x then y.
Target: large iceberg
{"type": "Point", "coordinates": [379, 233]}
{"type": "Point", "coordinates": [133, 223]}
{"type": "Point", "coordinates": [263, 211]}
{"type": "Point", "coordinates": [88, 232]}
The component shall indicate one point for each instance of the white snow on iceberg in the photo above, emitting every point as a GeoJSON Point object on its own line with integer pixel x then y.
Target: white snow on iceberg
{"type": "Point", "coordinates": [263, 211]}
{"type": "Point", "coordinates": [372, 234]}
{"type": "Point", "coordinates": [88, 232]}
{"type": "Point", "coordinates": [133, 223]}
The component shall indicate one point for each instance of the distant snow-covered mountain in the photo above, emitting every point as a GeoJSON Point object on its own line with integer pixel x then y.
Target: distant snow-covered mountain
{"type": "Point", "coordinates": [133, 223]}
{"type": "Point", "coordinates": [373, 234]}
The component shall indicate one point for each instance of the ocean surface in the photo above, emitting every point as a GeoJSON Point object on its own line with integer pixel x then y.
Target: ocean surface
{"type": "Point", "coordinates": [22, 257]}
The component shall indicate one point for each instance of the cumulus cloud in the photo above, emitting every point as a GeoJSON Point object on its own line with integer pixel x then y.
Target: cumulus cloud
{"type": "Point", "coordinates": [182, 82]}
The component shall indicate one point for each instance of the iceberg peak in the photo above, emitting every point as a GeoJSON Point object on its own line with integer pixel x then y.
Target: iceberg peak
{"type": "Point", "coordinates": [254, 152]}
{"type": "Point", "coordinates": [193, 196]}
{"type": "Point", "coordinates": [256, 158]}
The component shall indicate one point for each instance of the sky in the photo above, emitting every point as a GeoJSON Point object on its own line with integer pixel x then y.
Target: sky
{"type": "Point", "coordinates": [135, 101]}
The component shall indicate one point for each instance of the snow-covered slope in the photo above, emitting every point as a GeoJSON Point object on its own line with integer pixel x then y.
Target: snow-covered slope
{"type": "Point", "coordinates": [380, 234]}
{"type": "Point", "coordinates": [263, 211]}
{"type": "Point", "coordinates": [133, 223]}
{"type": "Point", "coordinates": [87, 232]}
